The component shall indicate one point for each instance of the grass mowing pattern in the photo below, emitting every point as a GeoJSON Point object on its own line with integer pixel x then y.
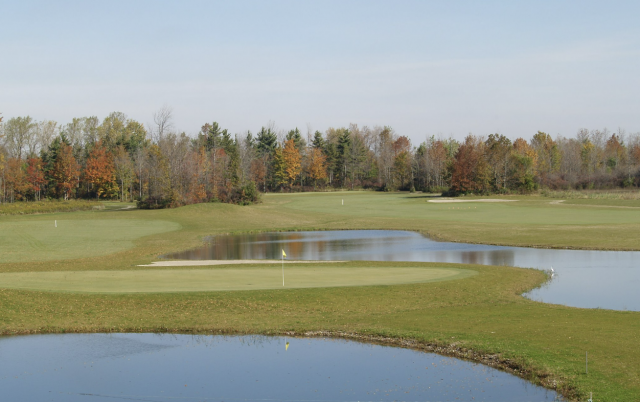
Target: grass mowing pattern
{"type": "Point", "coordinates": [221, 279]}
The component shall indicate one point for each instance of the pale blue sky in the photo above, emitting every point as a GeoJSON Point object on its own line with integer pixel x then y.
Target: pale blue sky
{"type": "Point", "coordinates": [421, 67]}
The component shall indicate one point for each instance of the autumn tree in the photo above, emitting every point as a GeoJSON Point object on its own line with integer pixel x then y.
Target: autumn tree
{"type": "Point", "coordinates": [201, 176]}
{"type": "Point", "coordinates": [301, 146]}
{"type": "Point", "coordinates": [2, 176]}
{"type": "Point", "coordinates": [317, 169]}
{"type": "Point", "coordinates": [66, 171]}
{"type": "Point", "coordinates": [469, 172]}
{"type": "Point", "coordinates": [279, 168]}
{"type": "Point", "coordinates": [299, 142]}
{"type": "Point", "coordinates": [140, 165]}
{"type": "Point", "coordinates": [547, 156]}
{"type": "Point", "coordinates": [159, 174]}
{"type": "Point", "coordinates": [524, 161]}
{"type": "Point", "coordinates": [402, 169]}
{"type": "Point", "coordinates": [432, 159]}
{"type": "Point", "coordinates": [258, 171]}
{"type": "Point", "coordinates": [615, 152]}
{"type": "Point", "coordinates": [292, 159]}
{"type": "Point", "coordinates": [124, 171]}
{"type": "Point", "coordinates": [112, 130]}
{"type": "Point", "coordinates": [15, 179]}
{"type": "Point", "coordinates": [35, 176]}
{"type": "Point", "coordinates": [116, 129]}
{"type": "Point", "coordinates": [402, 161]}
{"type": "Point", "coordinates": [100, 172]}
{"type": "Point", "coordinates": [498, 153]}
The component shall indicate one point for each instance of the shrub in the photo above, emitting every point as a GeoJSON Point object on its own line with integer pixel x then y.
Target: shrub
{"type": "Point", "coordinates": [154, 203]}
{"type": "Point", "coordinates": [246, 195]}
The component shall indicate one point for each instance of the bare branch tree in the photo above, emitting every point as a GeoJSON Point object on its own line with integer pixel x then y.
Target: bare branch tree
{"type": "Point", "coordinates": [163, 119]}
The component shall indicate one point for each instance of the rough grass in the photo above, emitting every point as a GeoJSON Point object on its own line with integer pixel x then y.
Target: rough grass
{"type": "Point", "coordinates": [593, 194]}
{"type": "Point", "coordinates": [45, 207]}
{"type": "Point", "coordinates": [224, 279]}
{"type": "Point", "coordinates": [483, 313]}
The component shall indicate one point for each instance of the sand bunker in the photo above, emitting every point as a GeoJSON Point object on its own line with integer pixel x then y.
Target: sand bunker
{"type": "Point", "coordinates": [447, 200]}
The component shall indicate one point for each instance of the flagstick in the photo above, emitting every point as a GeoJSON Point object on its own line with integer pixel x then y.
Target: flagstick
{"type": "Point", "coordinates": [282, 256]}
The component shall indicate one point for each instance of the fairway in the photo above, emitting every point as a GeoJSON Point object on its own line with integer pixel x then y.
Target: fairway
{"type": "Point", "coordinates": [198, 280]}
{"type": "Point", "coordinates": [62, 239]}
{"type": "Point", "coordinates": [84, 276]}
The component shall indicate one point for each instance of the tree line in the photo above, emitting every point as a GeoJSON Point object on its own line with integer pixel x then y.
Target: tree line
{"type": "Point", "coordinates": [157, 166]}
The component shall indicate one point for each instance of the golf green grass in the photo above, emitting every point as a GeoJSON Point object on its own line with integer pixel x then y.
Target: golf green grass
{"type": "Point", "coordinates": [220, 279]}
{"type": "Point", "coordinates": [60, 239]}
{"type": "Point", "coordinates": [483, 313]}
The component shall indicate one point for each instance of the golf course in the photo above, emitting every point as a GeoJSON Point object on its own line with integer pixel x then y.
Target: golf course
{"type": "Point", "coordinates": [94, 271]}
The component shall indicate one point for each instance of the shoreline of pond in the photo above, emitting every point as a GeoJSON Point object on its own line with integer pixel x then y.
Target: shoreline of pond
{"type": "Point", "coordinates": [430, 236]}
{"type": "Point", "coordinates": [535, 376]}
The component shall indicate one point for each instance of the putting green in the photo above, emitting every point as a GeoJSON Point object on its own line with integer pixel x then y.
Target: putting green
{"type": "Point", "coordinates": [221, 279]}
{"type": "Point", "coordinates": [46, 240]}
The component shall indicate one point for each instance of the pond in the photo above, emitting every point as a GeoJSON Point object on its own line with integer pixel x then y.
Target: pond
{"type": "Point", "coordinates": [590, 279]}
{"type": "Point", "coordinates": [163, 367]}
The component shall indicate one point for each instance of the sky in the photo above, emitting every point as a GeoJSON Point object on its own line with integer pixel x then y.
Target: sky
{"type": "Point", "coordinates": [443, 68]}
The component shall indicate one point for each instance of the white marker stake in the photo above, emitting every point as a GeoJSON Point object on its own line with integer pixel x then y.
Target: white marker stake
{"type": "Point", "coordinates": [283, 255]}
{"type": "Point", "coordinates": [55, 223]}
{"type": "Point", "coordinates": [343, 201]}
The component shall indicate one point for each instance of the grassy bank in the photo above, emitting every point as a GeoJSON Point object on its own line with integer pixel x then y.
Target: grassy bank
{"type": "Point", "coordinates": [483, 313]}
{"type": "Point", "coordinates": [46, 207]}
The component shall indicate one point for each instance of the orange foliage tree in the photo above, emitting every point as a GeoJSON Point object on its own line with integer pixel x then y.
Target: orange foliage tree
{"type": "Point", "coordinates": [201, 176]}
{"type": "Point", "coordinates": [259, 170]}
{"type": "Point", "coordinates": [100, 172]}
{"type": "Point", "coordinates": [15, 179]}
{"type": "Point", "coordinates": [35, 176]}
{"type": "Point", "coordinates": [66, 171]}
{"type": "Point", "coordinates": [317, 169]}
{"type": "Point", "coordinates": [469, 171]}
{"type": "Point", "coordinates": [292, 161]}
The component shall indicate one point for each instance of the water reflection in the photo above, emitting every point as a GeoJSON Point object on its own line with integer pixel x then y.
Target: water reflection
{"type": "Point", "coordinates": [605, 279]}
{"type": "Point", "coordinates": [376, 245]}
{"type": "Point", "coordinates": [153, 367]}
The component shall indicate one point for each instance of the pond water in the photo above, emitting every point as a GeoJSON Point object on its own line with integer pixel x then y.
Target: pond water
{"type": "Point", "coordinates": [162, 367]}
{"type": "Point", "coordinates": [590, 279]}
